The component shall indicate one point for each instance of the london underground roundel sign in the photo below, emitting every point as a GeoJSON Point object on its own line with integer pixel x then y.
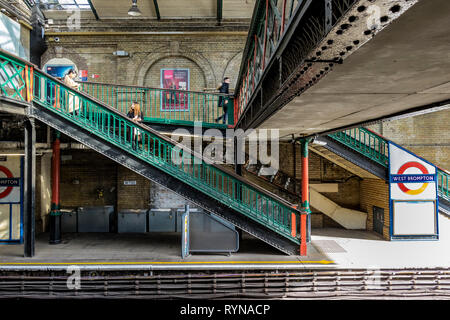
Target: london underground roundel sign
{"type": "Point", "coordinates": [403, 168]}
{"type": "Point", "coordinates": [8, 190]}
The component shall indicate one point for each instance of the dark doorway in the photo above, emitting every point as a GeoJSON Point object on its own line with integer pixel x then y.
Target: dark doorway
{"type": "Point", "coordinates": [378, 219]}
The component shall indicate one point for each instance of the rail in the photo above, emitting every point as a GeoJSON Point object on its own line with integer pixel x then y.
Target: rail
{"type": "Point", "coordinates": [169, 106]}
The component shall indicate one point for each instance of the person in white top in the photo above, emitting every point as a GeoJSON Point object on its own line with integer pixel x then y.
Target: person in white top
{"type": "Point", "coordinates": [73, 101]}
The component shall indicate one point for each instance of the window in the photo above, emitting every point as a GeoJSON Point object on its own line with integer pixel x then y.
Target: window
{"type": "Point", "coordinates": [64, 4]}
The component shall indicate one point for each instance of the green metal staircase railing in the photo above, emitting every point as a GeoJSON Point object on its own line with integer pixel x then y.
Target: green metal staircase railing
{"type": "Point", "coordinates": [168, 106]}
{"type": "Point", "coordinates": [19, 80]}
{"type": "Point", "coordinates": [375, 147]}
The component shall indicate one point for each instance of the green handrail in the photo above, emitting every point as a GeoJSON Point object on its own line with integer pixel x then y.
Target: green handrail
{"type": "Point", "coordinates": [365, 142]}
{"type": "Point", "coordinates": [443, 178]}
{"type": "Point", "coordinates": [375, 147]}
{"type": "Point", "coordinates": [167, 106]}
{"type": "Point", "coordinates": [153, 148]}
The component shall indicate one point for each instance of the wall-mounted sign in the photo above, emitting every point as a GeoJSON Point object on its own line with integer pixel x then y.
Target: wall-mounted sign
{"type": "Point", "coordinates": [59, 71]}
{"type": "Point", "coordinates": [83, 75]}
{"type": "Point", "coordinates": [175, 79]}
{"type": "Point", "coordinates": [11, 208]}
{"type": "Point", "coordinates": [129, 183]}
{"type": "Point", "coordinates": [413, 195]}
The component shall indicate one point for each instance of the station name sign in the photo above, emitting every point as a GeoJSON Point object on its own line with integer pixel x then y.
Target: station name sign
{"type": "Point", "coordinates": [413, 196]}
{"type": "Point", "coordinates": [9, 182]}
{"type": "Point", "coordinates": [412, 178]}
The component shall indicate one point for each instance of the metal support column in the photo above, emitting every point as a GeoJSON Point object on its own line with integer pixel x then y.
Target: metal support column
{"type": "Point", "coordinates": [29, 188]}
{"type": "Point", "coordinates": [305, 225]}
{"type": "Point", "coordinates": [55, 214]}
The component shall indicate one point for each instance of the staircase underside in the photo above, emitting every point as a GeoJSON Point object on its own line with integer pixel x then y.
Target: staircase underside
{"type": "Point", "coordinates": [348, 159]}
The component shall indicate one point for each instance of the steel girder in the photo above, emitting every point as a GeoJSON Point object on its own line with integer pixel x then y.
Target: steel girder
{"type": "Point", "coordinates": [319, 34]}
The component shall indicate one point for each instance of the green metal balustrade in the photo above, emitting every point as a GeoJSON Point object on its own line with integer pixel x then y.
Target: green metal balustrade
{"type": "Point", "coordinates": [365, 142]}
{"type": "Point", "coordinates": [375, 147]}
{"type": "Point", "coordinates": [144, 143]}
{"type": "Point", "coordinates": [178, 107]}
{"type": "Point", "coordinates": [443, 178]}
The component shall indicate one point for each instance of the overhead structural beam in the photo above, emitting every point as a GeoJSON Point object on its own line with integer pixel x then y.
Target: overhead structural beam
{"type": "Point", "coordinates": [93, 10]}
{"type": "Point", "coordinates": [219, 11]}
{"type": "Point", "coordinates": [158, 15]}
{"type": "Point", "coordinates": [428, 108]}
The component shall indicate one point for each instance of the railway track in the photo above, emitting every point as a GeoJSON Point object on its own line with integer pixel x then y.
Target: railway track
{"type": "Point", "coordinates": [307, 284]}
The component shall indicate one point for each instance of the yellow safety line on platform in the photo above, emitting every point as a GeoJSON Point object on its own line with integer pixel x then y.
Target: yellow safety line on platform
{"type": "Point", "coordinates": [168, 262]}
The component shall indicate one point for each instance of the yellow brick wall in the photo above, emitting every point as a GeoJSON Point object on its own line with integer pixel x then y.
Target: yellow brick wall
{"type": "Point", "coordinates": [426, 135]}
{"type": "Point", "coordinates": [375, 192]}
{"type": "Point", "coordinates": [132, 196]}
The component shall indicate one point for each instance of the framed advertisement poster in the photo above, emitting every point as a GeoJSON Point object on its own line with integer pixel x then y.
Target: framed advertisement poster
{"type": "Point", "coordinates": [175, 79]}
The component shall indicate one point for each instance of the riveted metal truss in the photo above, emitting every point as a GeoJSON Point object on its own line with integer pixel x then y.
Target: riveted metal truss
{"type": "Point", "coordinates": [287, 53]}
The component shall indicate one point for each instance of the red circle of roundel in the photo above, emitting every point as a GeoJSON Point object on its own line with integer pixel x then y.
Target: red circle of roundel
{"type": "Point", "coordinates": [8, 189]}
{"type": "Point", "coordinates": [412, 164]}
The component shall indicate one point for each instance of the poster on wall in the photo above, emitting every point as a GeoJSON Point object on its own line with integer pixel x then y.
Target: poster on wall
{"type": "Point", "coordinates": [58, 71]}
{"type": "Point", "coordinates": [413, 195]}
{"type": "Point", "coordinates": [174, 79]}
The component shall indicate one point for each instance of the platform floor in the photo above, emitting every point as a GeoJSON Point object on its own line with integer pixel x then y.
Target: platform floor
{"type": "Point", "coordinates": [329, 248]}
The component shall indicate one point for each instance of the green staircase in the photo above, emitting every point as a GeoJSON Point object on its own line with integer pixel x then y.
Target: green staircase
{"type": "Point", "coordinates": [375, 147]}
{"type": "Point", "coordinates": [23, 82]}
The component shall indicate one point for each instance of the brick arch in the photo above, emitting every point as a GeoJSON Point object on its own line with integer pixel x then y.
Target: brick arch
{"type": "Point", "coordinates": [195, 57]}
{"type": "Point", "coordinates": [62, 55]}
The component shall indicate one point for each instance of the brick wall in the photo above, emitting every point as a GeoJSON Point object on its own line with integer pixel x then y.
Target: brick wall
{"type": "Point", "coordinates": [134, 196]}
{"type": "Point", "coordinates": [375, 193]}
{"type": "Point", "coordinates": [163, 198]}
{"type": "Point", "coordinates": [83, 176]}
{"type": "Point", "coordinates": [209, 56]}
{"type": "Point", "coordinates": [426, 135]}
{"type": "Point", "coordinates": [87, 172]}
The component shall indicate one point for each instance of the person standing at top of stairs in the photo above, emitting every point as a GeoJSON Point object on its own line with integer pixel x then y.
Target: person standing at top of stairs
{"type": "Point", "coordinates": [224, 88]}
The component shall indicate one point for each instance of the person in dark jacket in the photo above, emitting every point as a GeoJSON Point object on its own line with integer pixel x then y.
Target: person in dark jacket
{"type": "Point", "coordinates": [223, 101]}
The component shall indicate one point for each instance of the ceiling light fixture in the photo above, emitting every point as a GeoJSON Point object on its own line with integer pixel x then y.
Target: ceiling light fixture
{"type": "Point", "coordinates": [134, 10]}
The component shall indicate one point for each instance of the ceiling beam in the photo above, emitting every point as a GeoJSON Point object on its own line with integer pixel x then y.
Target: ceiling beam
{"type": "Point", "coordinates": [219, 11]}
{"type": "Point", "coordinates": [93, 10]}
{"type": "Point", "coordinates": [158, 16]}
